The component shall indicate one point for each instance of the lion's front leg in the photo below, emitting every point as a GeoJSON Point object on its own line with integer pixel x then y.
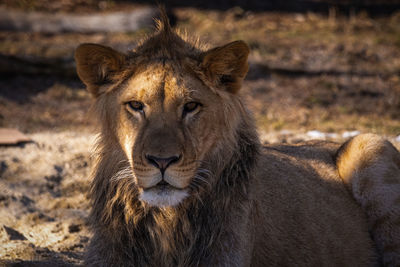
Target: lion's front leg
{"type": "Point", "coordinates": [234, 248]}
{"type": "Point", "coordinates": [228, 255]}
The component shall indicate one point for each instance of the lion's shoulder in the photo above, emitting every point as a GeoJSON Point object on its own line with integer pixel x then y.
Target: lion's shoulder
{"type": "Point", "coordinates": [317, 150]}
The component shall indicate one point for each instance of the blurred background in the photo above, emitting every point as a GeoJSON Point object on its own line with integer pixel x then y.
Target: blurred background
{"type": "Point", "coordinates": [325, 65]}
{"type": "Point", "coordinates": [318, 69]}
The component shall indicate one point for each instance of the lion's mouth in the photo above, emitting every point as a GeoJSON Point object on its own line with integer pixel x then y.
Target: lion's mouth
{"type": "Point", "coordinates": [162, 186]}
{"type": "Point", "coordinates": [163, 183]}
{"type": "Point", "coordinates": [163, 194]}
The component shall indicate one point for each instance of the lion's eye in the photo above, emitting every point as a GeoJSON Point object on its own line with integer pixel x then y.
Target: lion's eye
{"type": "Point", "coordinates": [190, 107]}
{"type": "Point", "coordinates": [136, 105]}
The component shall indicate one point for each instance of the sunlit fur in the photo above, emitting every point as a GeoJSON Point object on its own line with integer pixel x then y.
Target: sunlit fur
{"type": "Point", "coordinates": [228, 202]}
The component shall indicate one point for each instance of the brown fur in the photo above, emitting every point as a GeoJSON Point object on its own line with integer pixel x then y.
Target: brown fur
{"type": "Point", "coordinates": [229, 202]}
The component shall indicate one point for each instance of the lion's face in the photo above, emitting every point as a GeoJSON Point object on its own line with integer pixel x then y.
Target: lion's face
{"type": "Point", "coordinates": [166, 123]}
{"type": "Point", "coordinates": [166, 115]}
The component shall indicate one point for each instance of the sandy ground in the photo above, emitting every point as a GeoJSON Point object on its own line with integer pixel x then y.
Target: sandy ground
{"type": "Point", "coordinates": [43, 199]}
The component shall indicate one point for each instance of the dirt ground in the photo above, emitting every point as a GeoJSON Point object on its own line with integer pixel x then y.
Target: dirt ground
{"type": "Point", "coordinates": [311, 76]}
{"type": "Point", "coordinates": [43, 200]}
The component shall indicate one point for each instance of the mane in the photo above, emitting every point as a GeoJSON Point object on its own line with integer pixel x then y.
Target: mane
{"type": "Point", "coordinates": [167, 43]}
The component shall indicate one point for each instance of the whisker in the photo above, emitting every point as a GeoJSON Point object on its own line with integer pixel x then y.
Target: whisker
{"type": "Point", "coordinates": [201, 182]}
{"type": "Point", "coordinates": [201, 179]}
{"type": "Point", "coordinates": [208, 173]}
{"type": "Point", "coordinates": [124, 173]}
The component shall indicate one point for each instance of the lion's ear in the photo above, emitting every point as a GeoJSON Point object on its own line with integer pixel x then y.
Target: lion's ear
{"type": "Point", "coordinates": [227, 65]}
{"type": "Point", "coordinates": [97, 65]}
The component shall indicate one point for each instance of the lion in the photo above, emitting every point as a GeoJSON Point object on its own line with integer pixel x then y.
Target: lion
{"type": "Point", "coordinates": [181, 179]}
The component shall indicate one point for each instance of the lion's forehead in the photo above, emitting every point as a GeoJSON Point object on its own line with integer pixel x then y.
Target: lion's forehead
{"type": "Point", "coordinates": [163, 82]}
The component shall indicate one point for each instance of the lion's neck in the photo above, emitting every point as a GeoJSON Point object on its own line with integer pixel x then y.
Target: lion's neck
{"type": "Point", "coordinates": [236, 172]}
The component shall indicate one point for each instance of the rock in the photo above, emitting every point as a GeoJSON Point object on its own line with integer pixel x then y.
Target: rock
{"type": "Point", "coordinates": [9, 136]}
{"type": "Point", "coordinates": [14, 234]}
{"type": "Point", "coordinates": [349, 134]}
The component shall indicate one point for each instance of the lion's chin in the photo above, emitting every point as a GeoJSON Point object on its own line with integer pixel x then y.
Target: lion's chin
{"type": "Point", "coordinates": [163, 196]}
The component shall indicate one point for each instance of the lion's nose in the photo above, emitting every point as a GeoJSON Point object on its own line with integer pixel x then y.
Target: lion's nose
{"type": "Point", "coordinates": [162, 163]}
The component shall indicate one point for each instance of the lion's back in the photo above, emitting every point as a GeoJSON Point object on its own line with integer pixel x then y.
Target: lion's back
{"type": "Point", "coordinates": [305, 213]}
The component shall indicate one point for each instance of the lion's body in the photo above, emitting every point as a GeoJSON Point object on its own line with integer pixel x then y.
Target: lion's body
{"type": "Point", "coordinates": [305, 209]}
{"type": "Point", "coordinates": [180, 178]}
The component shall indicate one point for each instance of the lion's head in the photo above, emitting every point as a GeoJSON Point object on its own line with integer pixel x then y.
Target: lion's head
{"type": "Point", "coordinates": [168, 106]}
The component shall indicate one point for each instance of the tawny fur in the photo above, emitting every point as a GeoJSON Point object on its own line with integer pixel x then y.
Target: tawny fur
{"type": "Point", "coordinates": [310, 204]}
